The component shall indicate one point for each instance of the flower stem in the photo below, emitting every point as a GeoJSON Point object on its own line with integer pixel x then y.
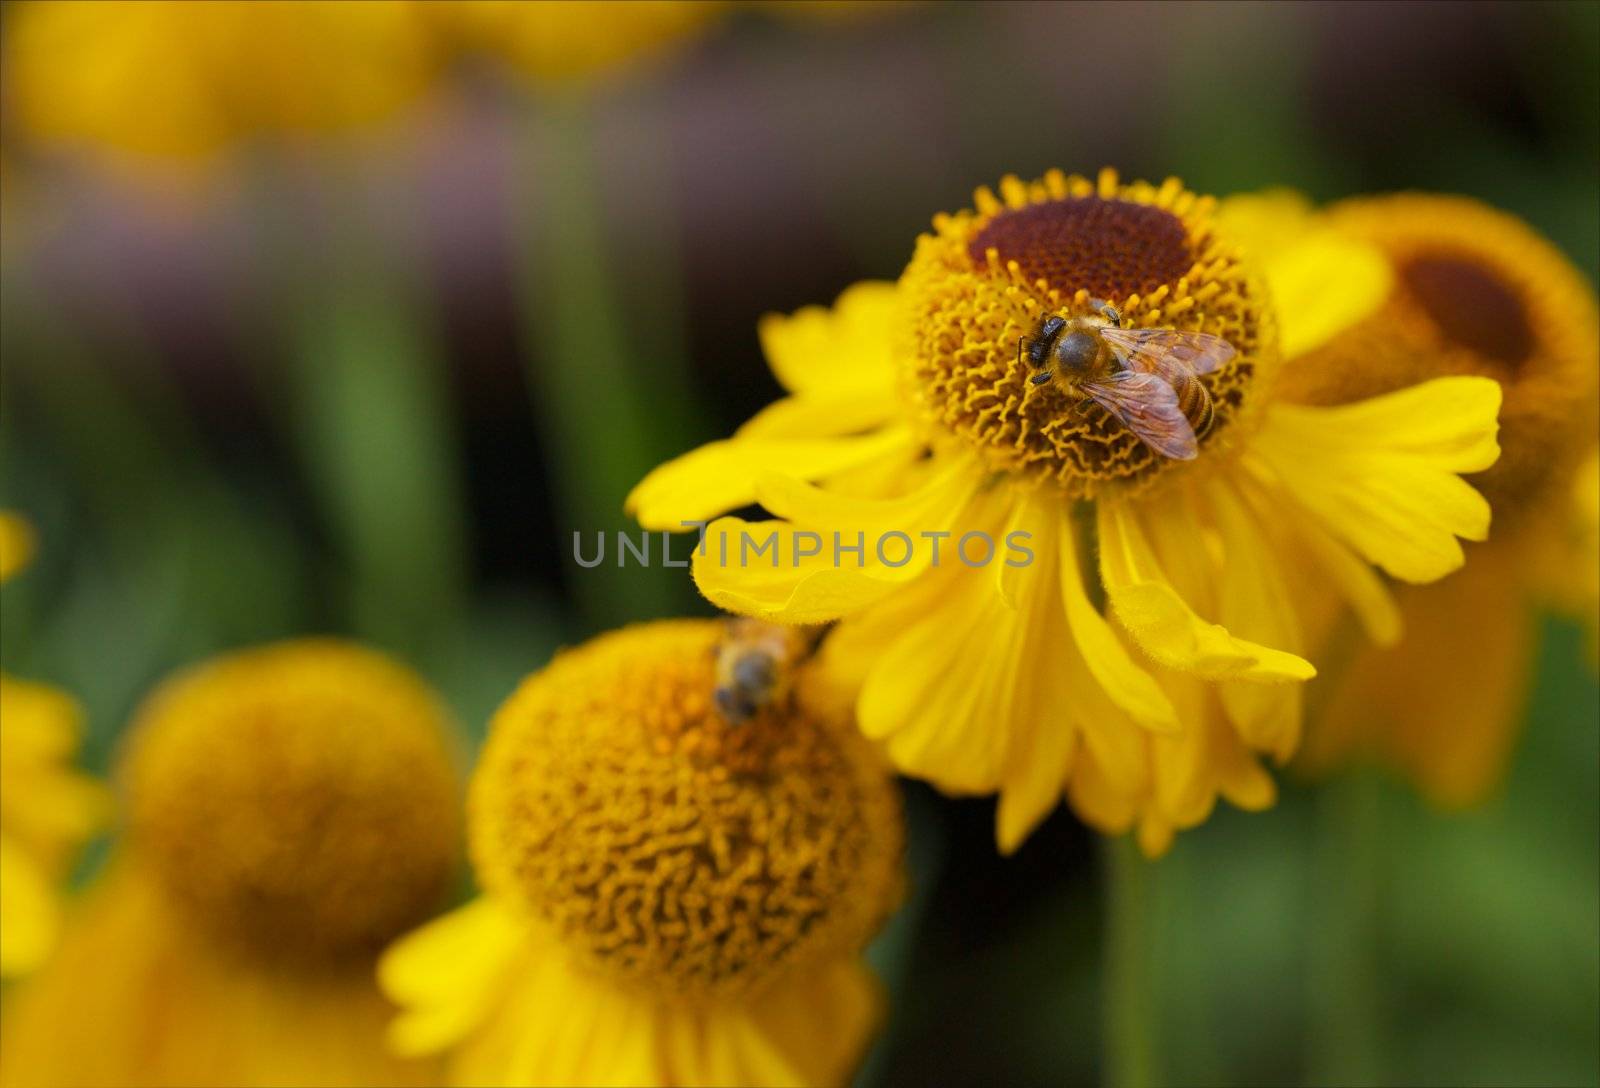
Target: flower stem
{"type": "Point", "coordinates": [1345, 992]}
{"type": "Point", "coordinates": [1129, 1047]}
{"type": "Point", "coordinates": [597, 377]}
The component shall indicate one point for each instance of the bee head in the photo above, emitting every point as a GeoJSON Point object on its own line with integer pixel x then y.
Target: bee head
{"type": "Point", "coordinates": [1076, 352]}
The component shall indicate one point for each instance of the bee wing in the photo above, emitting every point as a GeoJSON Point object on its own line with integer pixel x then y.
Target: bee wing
{"type": "Point", "coordinates": [1174, 355]}
{"type": "Point", "coordinates": [1147, 405]}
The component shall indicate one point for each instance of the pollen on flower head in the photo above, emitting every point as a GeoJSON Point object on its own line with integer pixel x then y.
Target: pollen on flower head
{"type": "Point", "coordinates": [1476, 292]}
{"type": "Point", "coordinates": [297, 800]}
{"type": "Point", "coordinates": [986, 278]}
{"type": "Point", "coordinates": [668, 845]}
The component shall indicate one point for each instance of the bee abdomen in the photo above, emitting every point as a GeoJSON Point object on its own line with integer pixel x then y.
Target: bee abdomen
{"type": "Point", "coordinates": [1195, 402]}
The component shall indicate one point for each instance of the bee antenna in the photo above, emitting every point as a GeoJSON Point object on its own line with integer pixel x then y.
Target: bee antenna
{"type": "Point", "coordinates": [1020, 341]}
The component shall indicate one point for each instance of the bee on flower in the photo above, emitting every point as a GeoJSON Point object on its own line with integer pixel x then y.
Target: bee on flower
{"type": "Point", "coordinates": [1154, 651]}
{"type": "Point", "coordinates": [677, 886]}
{"type": "Point", "coordinates": [289, 809]}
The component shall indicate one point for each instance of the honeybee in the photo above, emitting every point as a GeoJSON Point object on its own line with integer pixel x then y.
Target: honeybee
{"type": "Point", "coordinates": [755, 665]}
{"type": "Point", "coordinates": [1147, 379]}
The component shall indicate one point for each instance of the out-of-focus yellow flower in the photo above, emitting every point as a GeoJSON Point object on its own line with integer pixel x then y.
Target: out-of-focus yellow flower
{"type": "Point", "coordinates": [290, 809]}
{"type": "Point", "coordinates": [181, 79]}
{"type": "Point", "coordinates": [914, 406]}
{"type": "Point", "coordinates": [1473, 291]}
{"type": "Point", "coordinates": [570, 41]}
{"type": "Point", "coordinates": [47, 810]}
{"type": "Point", "coordinates": [672, 895]}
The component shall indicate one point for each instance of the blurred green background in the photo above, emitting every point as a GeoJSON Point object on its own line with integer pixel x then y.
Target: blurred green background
{"type": "Point", "coordinates": [371, 384]}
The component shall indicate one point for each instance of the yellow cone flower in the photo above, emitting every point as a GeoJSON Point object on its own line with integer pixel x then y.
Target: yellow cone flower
{"type": "Point", "coordinates": [183, 79]}
{"type": "Point", "coordinates": [912, 406]}
{"type": "Point", "coordinates": [47, 809]}
{"type": "Point", "coordinates": [674, 894]}
{"type": "Point", "coordinates": [1473, 291]}
{"type": "Point", "coordinates": [289, 809]}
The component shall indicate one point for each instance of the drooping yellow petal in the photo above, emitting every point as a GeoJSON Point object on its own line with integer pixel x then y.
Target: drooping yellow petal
{"type": "Point", "coordinates": [1159, 620]}
{"type": "Point", "coordinates": [942, 696]}
{"type": "Point", "coordinates": [1254, 601]}
{"type": "Point", "coordinates": [1383, 474]}
{"type": "Point", "coordinates": [721, 476]}
{"type": "Point", "coordinates": [848, 346]}
{"type": "Point", "coordinates": [447, 975]}
{"type": "Point", "coordinates": [1347, 575]}
{"type": "Point", "coordinates": [1444, 708]}
{"type": "Point", "coordinates": [16, 544]}
{"type": "Point", "coordinates": [838, 555]}
{"type": "Point", "coordinates": [1125, 683]}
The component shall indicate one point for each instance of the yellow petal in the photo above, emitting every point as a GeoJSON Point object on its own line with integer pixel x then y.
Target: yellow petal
{"type": "Point", "coordinates": [824, 414]}
{"type": "Point", "coordinates": [447, 975]}
{"type": "Point", "coordinates": [1127, 685]}
{"type": "Point", "coordinates": [16, 544]}
{"type": "Point", "coordinates": [847, 346]}
{"type": "Point", "coordinates": [941, 694]}
{"type": "Point", "coordinates": [1159, 620]}
{"type": "Point", "coordinates": [822, 1021]}
{"type": "Point", "coordinates": [1321, 282]}
{"type": "Point", "coordinates": [1382, 474]}
{"type": "Point", "coordinates": [794, 573]}
{"type": "Point", "coordinates": [1346, 573]}
{"type": "Point", "coordinates": [1254, 601]}
{"type": "Point", "coordinates": [30, 916]}
{"type": "Point", "coordinates": [722, 476]}
{"type": "Point", "coordinates": [1324, 285]}
{"type": "Point", "coordinates": [1444, 704]}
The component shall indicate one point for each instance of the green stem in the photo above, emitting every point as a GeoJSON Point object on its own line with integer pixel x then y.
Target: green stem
{"type": "Point", "coordinates": [1127, 1004]}
{"type": "Point", "coordinates": [1345, 980]}
{"type": "Point", "coordinates": [596, 370]}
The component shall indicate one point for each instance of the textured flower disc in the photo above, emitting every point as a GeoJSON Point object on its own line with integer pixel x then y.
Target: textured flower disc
{"type": "Point", "coordinates": [987, 278]}
{"type": "Point", "coordinates": [1476, 292]}
{"type": "Point", "coordinates": [299, 799]}
{"type": "Point", "coordinates": [669, 847]}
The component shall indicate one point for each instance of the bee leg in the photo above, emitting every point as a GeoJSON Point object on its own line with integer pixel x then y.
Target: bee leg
{"type": "Point", "coordinates": [1041, 377]}
{"type": "Point", "coordinates": [1111, 313]}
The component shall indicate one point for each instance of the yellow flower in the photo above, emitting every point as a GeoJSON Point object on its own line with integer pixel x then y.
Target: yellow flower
{"type": "Point", "coordinates": [47, 809]}
{"type": "Point", "coordinates": [182, 80]}
{"type": "Point", "coordinates": [1473, 291]}
{"type": "Point", "coordinates": [671, 896]}
{"type": "Point", "coordinates": [912, 405]}
{"type": "Point", "coordinates": [568, 41]}
{"type": "Point", "coordinates": [289, 810]}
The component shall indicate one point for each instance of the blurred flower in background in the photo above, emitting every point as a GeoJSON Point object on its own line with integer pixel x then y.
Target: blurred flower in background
{"type": "Point", "coordinates": [289, 810]}
{"type": "Point", "coordinates": [184, 81]}
{"type": "Point", "coordinates": [1474, 292]}
{"type": "Point", "coordinates": [671, 896]}
{"type": "Point", "coordinates": [47, 809]}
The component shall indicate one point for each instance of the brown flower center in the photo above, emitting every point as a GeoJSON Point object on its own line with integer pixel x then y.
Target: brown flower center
{"type": "Point", "coordinates": [1110, 248]}
{"type": "Point", "coordinates": [1471, 306]}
